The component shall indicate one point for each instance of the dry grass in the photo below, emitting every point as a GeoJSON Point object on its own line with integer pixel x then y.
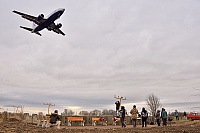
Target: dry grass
{"type": "Point", "coordinates": [17, 126]}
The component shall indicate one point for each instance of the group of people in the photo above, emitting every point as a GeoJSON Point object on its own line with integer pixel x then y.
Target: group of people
{"type": "Point", "coordinates": [160, 116]}
{"type": "Point", "coordinates": [144, 115]}
{"type": "Point", "coordinates": [134, 112]}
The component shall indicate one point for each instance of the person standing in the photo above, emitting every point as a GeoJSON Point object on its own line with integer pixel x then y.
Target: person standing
{"type": "Point", "coordinates": [184, 115]}
{"type": "Point", "coordinates": [122, 116]}
{"type": "Point", "coordinates": [117, 103]}
{"type": "Point", "coordinates": [161, 114]}
{"type": "Point", "coordinates": [176, 114]}
{"type": "Point", "coordinates": [158, 117]}
{"type": "Point", "coordinates": [164, 117]}
{"type": "Point", "coordinates": [134, 113]}
{"type": "Point", "coordinates": [144, 115]}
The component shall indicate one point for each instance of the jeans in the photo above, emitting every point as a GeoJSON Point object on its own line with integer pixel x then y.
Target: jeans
{"type": "Point", "coordinates": [164, 121]}
{"type": "Point", "coordinates": [122, 121]}
{"type": "Point", "coordinates": [158, 122]}
{"type": "Point", "coordinates": [144, 121]}
{"type": "Point", "coordinates": [134, 122]}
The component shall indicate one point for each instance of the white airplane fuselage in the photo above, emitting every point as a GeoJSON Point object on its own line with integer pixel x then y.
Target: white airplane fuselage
{"type": "Point", "coordinates": [49, 20]}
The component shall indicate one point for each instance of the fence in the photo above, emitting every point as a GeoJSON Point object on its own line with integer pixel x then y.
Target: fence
{"type": "Point", "coordinates": [4, 116]}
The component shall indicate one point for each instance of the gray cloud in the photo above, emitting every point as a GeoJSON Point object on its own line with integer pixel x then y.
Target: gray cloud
{"type": "Point", "coordinates": [127, 48]}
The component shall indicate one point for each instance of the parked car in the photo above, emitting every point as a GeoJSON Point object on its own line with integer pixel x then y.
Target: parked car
{"type": "Point", "coordinates": [193, 116]}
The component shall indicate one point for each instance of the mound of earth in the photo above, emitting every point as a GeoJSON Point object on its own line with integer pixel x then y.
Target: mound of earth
{"type": "Point", "coordinates": [17, 126]}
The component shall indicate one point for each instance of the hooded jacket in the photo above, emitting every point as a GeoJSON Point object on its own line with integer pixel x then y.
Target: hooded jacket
{"type": "Point", "coordinates": [54, 117]}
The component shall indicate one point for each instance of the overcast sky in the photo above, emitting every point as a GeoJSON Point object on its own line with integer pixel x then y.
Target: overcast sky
{"type": "Point", "coordinates": [128, 48]}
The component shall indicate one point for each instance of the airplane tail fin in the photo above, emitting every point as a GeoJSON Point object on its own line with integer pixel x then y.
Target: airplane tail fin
{"type": "Point", "coordinates": [29, 29]}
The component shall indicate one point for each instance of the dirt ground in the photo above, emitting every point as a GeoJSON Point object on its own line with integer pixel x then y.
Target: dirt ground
{"type": "Point", "coordinates": [17, 126]}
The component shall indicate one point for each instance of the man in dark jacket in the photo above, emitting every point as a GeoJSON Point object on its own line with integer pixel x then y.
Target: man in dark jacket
{"type": "Point", "coordinates": [55, 119]}
{"type": "Point", "coordinates": [144, 115]}
{"type": "Point", "coordinates": [122, 116]}
{"type": "Point", "coordinates": [117, 107]}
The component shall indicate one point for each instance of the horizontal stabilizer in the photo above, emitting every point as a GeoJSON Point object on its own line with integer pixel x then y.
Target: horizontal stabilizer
{"type": "Point", "coordinates": [30, 29]}
{"type": "Point", "coordinates": [26, 28]}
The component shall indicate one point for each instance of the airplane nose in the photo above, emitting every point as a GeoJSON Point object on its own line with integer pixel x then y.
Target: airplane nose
{"type": "Point", "coordinates": [63, 10]}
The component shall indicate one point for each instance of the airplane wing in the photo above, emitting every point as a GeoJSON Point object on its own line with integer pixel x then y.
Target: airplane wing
{"type": "Point", "coordinates": [30, 18]}
{"type": "Point", "coordinates": [55, 29]}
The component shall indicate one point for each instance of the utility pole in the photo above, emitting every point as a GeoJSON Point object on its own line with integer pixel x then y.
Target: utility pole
{"type": "Point", "coordinates": [120, 100]}
{"type": "Point", "coordinates": [17, 107]}
{"type": "Point", "coordinates": [49, 104]}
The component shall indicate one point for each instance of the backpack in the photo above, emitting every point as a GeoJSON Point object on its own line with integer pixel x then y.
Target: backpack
{"type": "Point", "coordinates": [144, 114]}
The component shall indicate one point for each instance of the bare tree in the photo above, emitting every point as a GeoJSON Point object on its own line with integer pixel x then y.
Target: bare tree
{"type": "Point", "coordinates": [108, 112]}
{"type": "Point", "coordinates": [95, 112]}
{"type": "Point", "coordinates": [153, 103]}
{"type": "Point", "coordinates": [67, 112]}
{"type": "Point", "coordinates": [84, 113]}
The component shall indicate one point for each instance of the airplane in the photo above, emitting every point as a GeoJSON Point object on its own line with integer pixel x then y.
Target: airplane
{"type": "Point", "coordinates": [43, 22]}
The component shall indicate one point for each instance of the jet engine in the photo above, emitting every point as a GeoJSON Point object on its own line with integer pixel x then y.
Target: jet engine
{"type": "Point", "coordinates": [59, 25]}
{"type": "Point", "coordinates": [41, 16]}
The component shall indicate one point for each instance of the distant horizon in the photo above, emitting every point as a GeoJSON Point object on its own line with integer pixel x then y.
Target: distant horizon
{"type": "Point", "coordinates": [75, 109]}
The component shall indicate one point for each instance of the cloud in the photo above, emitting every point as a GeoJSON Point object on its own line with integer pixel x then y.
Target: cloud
{"type": "Point", "coordinates": [129, 49]}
